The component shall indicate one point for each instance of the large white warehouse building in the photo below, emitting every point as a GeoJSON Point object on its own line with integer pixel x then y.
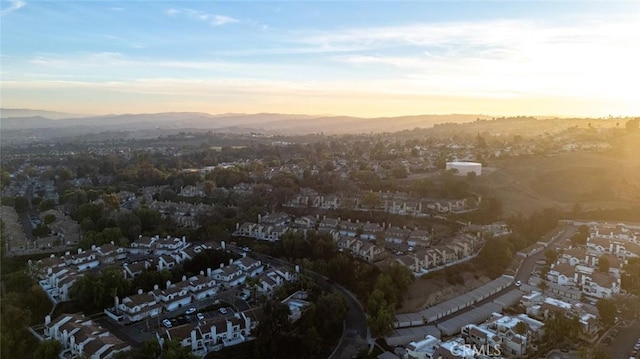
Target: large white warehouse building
{"type": "Point", "coordinates": [465, 168]}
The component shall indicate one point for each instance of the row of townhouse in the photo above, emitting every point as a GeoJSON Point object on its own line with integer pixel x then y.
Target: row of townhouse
{"type": "Point", "coordinates": [400, 203]}
{"type": "Point", "coordinates": [158, 245]}
{"type": "Point", "coordinates": [366, 250]}
{"type": "Point", "coordinates": [269, 227]}
{"type": "Point", "coordinates": [374, 231]}
{"type": "Point", "coordinates": [461, 247]}
{"type": "Point", "coordinates": [512, 335]}
{"type": "Point", "coordinates": [182, 213]}
{"type": "Point", "coordinates": [175, 296]}
{"type": "Point", "coordinates": [619, 241]}
{"type": "Point", "coordinates": [80, 337]}
{"type": "Point", "coordinates": [217, 333]}
{"type": "Point", "coordinates": [197, 288]}
{"type": "Point", "coordinates": [56, 275]}
{"type": "Point", "coordinates": [203, 337]}
{"type": "Point", "coordinates": [543, 307]}
{"type": "Point", "coordinates": [620, 231]}
{"type": "Point", "coordinates": [578, 268]}
{"type": "Point", "coordinates": [311, 199]}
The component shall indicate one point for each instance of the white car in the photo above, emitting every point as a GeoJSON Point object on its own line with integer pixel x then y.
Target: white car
{"type": "Point", "coordinates": [166, 323]}
{"type": "Point", "coordinates": [223, 310]}
{"type": "Point", "coordinates": [518, 283]}
{"type": "Point", "coordinates": [200, 316]}
{"type": "Point", "coordinates": [190, 310]}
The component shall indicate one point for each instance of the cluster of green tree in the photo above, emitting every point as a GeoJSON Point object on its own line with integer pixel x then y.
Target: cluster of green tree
{"type": "Point", "coordinates": [495, 256]}
{"type": "Point", "coordinates": [19, 203]}
{"type": "Point", "coordinates": [630, 280]}
{"type": "Point", "coordinates": [209, 258]}
{"type": "Point", "coordinates": [561, 330]}
{"type": "Point", "coordinates": [103, 225]}
{"type": "Point", "coordinates": [41, 230]}
{"type": "Point", "coordinates": [489, 211]}
{"type": "Point", "coordinates": [23, 303]}
{"type": "Point", "coordinates": [386, 295]}
{"type": "Point", "coordinates": [607, 311]}
{"type": "Point", "coordinates": [227, 177]}
{"type": "Point", "coordinates": [528, 230]}
{"type": "Point", "coordinates": [311, 336]}
{"type": "Point", "coordinates": [380, 290]}
{"type": "Point", "coordinates": [94, 292]}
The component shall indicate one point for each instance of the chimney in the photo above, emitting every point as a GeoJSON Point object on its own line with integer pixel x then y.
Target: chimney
{"type": "Point", "coordinates": [47, 320]}
{"type": "Point", "coordinates": [221, 265]}
{"type": "Point", "coordinates": [201, 272]}
{"type": "Point", "coordinates": [208, 272]}
{"type": "Point", "coordinates": [237, 226]}
{"type": "Point", "coordinates": [93, 247]}
{"type": "Point", "coordinates": [155, 287]}
{"type": "Point", "coordinates": [223, 245]}
{"type": "Point", "coordinates": [168, 284]}
{"type": "Point", "coordinates": [140, 291]}
{"type": "Point", "coordinates": [259, 218]}
{"type": "Point", "coordinates": [297, 268]}
{"type": "Point", "coordinates": [184, 277]}
{"type": "Point", "coordinates": [79, 250]}
{"type": "Point", "coordinates": [230, 261]}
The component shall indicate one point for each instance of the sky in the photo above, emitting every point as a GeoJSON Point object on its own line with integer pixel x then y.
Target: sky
{"type": "Point", "coordinates": [358, 58]}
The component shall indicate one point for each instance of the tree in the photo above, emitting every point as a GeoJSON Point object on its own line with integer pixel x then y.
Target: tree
{"type": "Point", "coordinates": [49, 218]}
{"type": "Point", "coordinates": [607, 311]}
{"type": "Point", "coordinates": [632, 125]}
{"type": "Point", "coordinates": [371, 200]}
{"type": "Point", "coordinates": [48, 349]}
{"type": "Point", "coordinates": [521, 328]}
{"type": "Point", "coordinates": [174, 350]}
{"type": "Point", "coordinates": [46, 205]}
{"type": "Point", "coordinates": [559, 328]}
{"type": "Point", "coordinates": [41, 231]}
{"type": "Point", "coordinates": [272, 329]}
{"type": "Point", "coordinates": [495, 256]}
{"type": "Point", "coordinates": [21, 204]}
{"type": "Point", "coordinates": [551, 256]}
{"type": "Point", "coordinates": [603, 265]}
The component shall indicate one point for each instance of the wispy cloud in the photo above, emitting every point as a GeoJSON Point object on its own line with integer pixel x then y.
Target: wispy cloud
{"type": "Point", "coordinates": [212, 19]}
{"type": "Point", "coordinates": [13, 6]}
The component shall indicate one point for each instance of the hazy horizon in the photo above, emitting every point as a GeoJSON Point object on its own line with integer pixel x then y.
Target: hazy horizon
{"type": "Point", "coordinates": [349, 58]}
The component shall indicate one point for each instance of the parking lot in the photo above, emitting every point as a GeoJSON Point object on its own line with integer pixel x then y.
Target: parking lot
{"type": "Point", "coordinates": [196, 316]}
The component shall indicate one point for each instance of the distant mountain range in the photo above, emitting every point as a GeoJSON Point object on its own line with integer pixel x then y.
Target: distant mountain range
{"type": "Point", "coordinates": [23, 119]}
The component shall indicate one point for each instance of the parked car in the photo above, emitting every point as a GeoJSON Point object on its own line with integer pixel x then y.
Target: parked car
{"type": "Point", "coordinates": [223, 310]}
{"type": "Point", "coordinates": [167, 323]}
{"type": "Point", "coordinates": [190, 310]}
{"type": "Point", "coordinates": [200, 316]}
{"type": "Point", "coordinates": [518, 283]}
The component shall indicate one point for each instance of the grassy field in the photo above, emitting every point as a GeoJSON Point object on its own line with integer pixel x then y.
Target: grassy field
{"type": "Point", "coordinates": [593, 179]}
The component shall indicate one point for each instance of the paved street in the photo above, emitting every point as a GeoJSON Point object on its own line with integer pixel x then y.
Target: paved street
{"type": "Point", "coordinates": [524, 272]}
{"type": "Point", "coordinates": [622, 345]}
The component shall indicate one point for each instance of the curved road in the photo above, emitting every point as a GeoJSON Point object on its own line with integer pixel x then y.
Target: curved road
{"type": "Point", "coordinates": [356, 333]}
